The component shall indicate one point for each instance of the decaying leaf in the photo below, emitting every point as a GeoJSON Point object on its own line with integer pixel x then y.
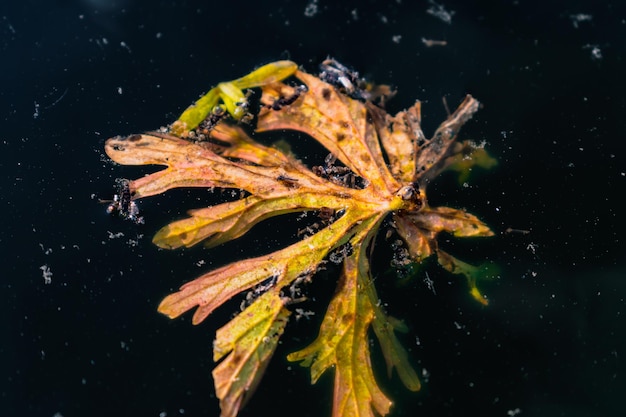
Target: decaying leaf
{"type": "Point", "coordinates": [378, 171]}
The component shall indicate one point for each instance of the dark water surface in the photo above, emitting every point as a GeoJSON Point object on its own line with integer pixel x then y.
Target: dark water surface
{"type": "Point", "coordinates": [91, 343]}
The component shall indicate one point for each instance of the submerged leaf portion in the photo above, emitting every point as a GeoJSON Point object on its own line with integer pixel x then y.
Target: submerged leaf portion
{"type": "Point", "coordinates": [396, 357]}
{"type": "Point", "coordinates": [378, 169]}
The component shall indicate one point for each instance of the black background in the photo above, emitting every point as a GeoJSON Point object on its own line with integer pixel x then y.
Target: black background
{"type": "Point", "coordinates": [91, 343]}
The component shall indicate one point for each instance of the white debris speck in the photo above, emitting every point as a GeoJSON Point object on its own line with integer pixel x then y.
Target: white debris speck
{"type": "Point", "coordinates": [596, 52]}
{"type": "Point", "coordinates": [311, 9]}
{"type": "Point", "coordinates": [580, 17]}
{"type": "Point", "coordinates": [46, 273]}
{"type": "Point", "coordinates": [9, 25]}
{"type": "Point", "coordinates": [132, 242]}
{"type": "Point", "coordinates": [440, 12]}
{"type": "Point", "coordinates": [36, 113]}
{"type": "Point", "coordinates": [429, 283]}
{"type": "Point", "coordinates": [115, 235]}
{"type": "Point", "coordinates": [396, 38]}
{"type": "Point", "coordinates": [433, 42]}
{"type": "Point", "coordinates": [336, 257]}
{"type": "Point", "coordinates": [125, 46]}
{"type": "Point", "coordinates": [119, 90]}
{"type": "Point", "coordinates": [46, 251]}
{"type": "Point", "coordinates": [302, 313]}
{"type": "Point", "coordinates": [513, 413]}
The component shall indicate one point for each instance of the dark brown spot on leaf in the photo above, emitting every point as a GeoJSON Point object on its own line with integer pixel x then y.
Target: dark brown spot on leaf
{"type": "Point", "coordinates": [347, 318]}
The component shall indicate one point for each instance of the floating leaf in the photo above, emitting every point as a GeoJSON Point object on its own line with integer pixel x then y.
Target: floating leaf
{"type": "Point", "coordinates": [341, 343]}
{"type": "Point", "coordinates": [232, 95]}
{"type": "Point", "coordinates": [379, 167]}
{"type": "Point", "coordinates": [249, 341]}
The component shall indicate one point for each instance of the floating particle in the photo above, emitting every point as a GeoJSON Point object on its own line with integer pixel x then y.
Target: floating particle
{"type": "Point", "coordinates": [440, 12]}
{"type": "Point", "coordinates": [432, 42]}
{"type": "Point", "coordinates": [430, 284]}
{"type": "Point", "coordinates": [46, 251]}
{"type": "Point", "coordinates": [46, 274]}
{"type": "Point", "coordinates": [580, 17]}
{"type": "Point", "coordinates": [596, 52]}
{"type": "Point", "coordinates": [9, 25]}
{"type": "Point", "coordinates": [115, 235]}
{"type": "Point", "coordinates": [302, 313]}
{"type": "Point", "coordinates": [311, 9]}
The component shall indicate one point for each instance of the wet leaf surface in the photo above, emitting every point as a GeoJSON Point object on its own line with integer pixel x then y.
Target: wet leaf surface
{"type": "Point", "coordinates": [379, 166]}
